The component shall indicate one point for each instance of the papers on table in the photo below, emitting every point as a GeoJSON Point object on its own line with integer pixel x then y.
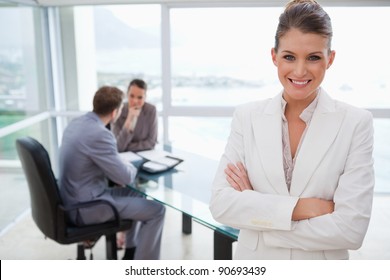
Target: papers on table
{"type": "Point", "coordinates": [151, 160]}
{"type": "Point", "coordinates": [130, 157]}
{"type": "Point", "coordinates": [158, 160]}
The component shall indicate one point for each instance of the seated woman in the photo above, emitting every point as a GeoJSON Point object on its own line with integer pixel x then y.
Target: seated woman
{"type": "Point", "coordinates": [136, 127]}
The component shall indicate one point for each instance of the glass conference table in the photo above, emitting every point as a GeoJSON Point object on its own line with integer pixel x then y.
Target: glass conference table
{"type": "Point", "coordinates": [187, 188]}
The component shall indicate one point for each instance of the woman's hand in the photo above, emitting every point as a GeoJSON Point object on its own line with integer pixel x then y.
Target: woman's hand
{"type": "Point", "coordinates": [237, 176]}
{"type": "Point", "coordinates": [307, 208]}
{"type": "Point", "coordinates": [133, 113]}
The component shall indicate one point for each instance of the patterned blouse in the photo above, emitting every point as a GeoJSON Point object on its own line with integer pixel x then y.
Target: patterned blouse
{"type": "Point", "coordinates": [288, 161]}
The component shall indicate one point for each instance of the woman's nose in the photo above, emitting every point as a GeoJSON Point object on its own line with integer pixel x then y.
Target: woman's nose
{"type": "Point", "coordinates": [300, 69]}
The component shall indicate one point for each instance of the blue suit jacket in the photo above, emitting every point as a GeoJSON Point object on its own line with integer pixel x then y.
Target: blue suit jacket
{"type": "Point", "coordinates": [88, 155]}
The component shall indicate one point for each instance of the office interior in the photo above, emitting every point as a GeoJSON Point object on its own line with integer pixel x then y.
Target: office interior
{"type": "Point", "coordinates": [200, 59]}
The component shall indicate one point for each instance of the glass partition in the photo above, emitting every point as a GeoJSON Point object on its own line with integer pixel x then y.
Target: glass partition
{"type": "Point", "coordinates": [22, 71]}
{"type": "Point", "coordinates": [14, 198]}
{"type": "Point", "coordinates": [201, 135]}
{"type": "Point", "coordinates": [382, 155]}
{"type": "Point", "coordinates": [110, 45]}
{"type": "Point", "coordinates": [359, 74]}
{"type": "Point", "coordinates": [221, 56]}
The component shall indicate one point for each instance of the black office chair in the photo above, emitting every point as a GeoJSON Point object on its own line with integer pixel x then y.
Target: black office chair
{"type": "Point", "coordinates": [48, 211]}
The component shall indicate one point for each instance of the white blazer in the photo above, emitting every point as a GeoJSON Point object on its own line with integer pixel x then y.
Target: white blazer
{"type": "Point", "coordinates": [334, 163]}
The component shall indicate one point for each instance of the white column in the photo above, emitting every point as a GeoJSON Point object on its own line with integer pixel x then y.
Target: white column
{"type": "Point", "coordinates": [85, 56]}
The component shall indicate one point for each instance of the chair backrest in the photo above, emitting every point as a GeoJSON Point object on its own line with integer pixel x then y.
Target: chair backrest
{"type": "Point", "coordinates": [44, 193]}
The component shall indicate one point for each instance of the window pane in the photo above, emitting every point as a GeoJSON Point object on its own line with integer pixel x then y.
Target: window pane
{"type": "Point", "coordinates": [222, 62]}
{"type": "Point", "coordinates": [126, 45]}
{"type": "Point", "coordinates": [41, 131]}
{"type": "Point", "coordinates": [221, 56]}
{"type": "Point", "coordinates": [22, 86]}
{"type": "Point", "coordinates": [382, 155]}
{"type": "Point", "coordinates": [360, 74]}
{"type": "Point", "coordinates": [205, 136]}
{"type": "Point", "coordinates": [14, 196]}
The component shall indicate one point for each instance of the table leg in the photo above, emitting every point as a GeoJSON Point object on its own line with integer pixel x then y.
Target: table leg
{"type": "Point", "coordinates": [222, 246]}
{"type": "Point", "coordinates": [187, 224]}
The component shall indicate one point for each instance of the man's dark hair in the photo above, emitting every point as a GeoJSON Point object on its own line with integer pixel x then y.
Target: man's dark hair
{"type": "Point", "coordinates": [106, 100]}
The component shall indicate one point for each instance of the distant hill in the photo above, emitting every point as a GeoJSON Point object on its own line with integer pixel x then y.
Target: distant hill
{"type": "Point", "coordinates": [10, 20]}
{"type": "Point", "coordinates": [110, 33]}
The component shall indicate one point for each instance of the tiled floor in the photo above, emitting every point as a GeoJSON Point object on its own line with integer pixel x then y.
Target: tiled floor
{"type": "Point", "coordinates": [25, 241]}
{"type": "Point", "coordinates": [20, 238]}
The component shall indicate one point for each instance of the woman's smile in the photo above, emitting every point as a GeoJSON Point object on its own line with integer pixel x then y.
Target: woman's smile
{"type": "Point", "coordinates": [299, 83]}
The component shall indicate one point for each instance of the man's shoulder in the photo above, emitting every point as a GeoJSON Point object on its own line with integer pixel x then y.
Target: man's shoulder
{"type": "Point", "coordinates": [85, 121]}
{"type": "Point", "coordinates": [87, 126]}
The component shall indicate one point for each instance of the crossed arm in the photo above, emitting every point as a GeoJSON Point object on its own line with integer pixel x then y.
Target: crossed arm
{"type": "Point", "coordinates": [305, 208]}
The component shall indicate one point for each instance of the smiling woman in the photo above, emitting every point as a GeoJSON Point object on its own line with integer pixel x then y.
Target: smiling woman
{"type": "Point", "coordinates": [297, 175]}
{"type": "Point", "coordinates": [302, 60]}
{"type": "Point", "coordinates": [215, 56]}
{"type": "Point", "coordinates": [238, 68]}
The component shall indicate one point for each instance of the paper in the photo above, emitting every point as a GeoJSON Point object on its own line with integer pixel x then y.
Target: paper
{"type": "Point", "coordinates": [130, 157]}
{"type": "Point", "coordinates": [158, 160]}
{"type": "Point", "coordinates": [168, 161]}
{"type": "Point", "coordinates": [152, 166]}
{"type": "Point", "coordinates": [153, 154]}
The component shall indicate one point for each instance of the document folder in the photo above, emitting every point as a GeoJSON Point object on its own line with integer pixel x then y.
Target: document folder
{"type": "Point", "coordinates": [158, 161]}
{"type": "Point", "coordinates": [133, 158]}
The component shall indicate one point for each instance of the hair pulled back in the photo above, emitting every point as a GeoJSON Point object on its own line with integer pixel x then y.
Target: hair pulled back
{"type": "Point", "coordinates": [307, 16]}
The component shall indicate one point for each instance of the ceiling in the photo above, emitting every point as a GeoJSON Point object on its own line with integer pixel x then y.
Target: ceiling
{"type": "Point", "coordinates": [347, 3]}
{"type": "Point", "coordinates": [96, 2]}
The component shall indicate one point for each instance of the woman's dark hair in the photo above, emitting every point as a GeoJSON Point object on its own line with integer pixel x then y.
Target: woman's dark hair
{"type": "Point", "coordinates": [106, 100]}
{"type": "Point", "coordinates": [307, 16]}
{"type": "Point", "coordinates": [139, 83]}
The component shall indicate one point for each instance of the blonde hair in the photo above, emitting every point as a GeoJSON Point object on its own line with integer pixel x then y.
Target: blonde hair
{"type": "Point", "coordinates": [307, 16]}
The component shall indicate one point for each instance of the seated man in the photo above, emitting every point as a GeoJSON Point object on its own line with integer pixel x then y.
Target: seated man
{"type": "Point", "coordinates": [88, 156]}
{"type": "Point", "coordinates": [136, 127]}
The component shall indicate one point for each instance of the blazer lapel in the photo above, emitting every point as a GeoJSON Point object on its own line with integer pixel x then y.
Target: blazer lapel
{"type": "Point", "coordinates": [323, 129]}
{"type": "Point", "coordinates": [267, 129]}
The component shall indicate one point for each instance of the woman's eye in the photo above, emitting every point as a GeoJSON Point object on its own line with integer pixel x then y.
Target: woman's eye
{"type": "Point", "coordinates": [289, 57]}
{"type": "Point", "coordinates": [314, 58]}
